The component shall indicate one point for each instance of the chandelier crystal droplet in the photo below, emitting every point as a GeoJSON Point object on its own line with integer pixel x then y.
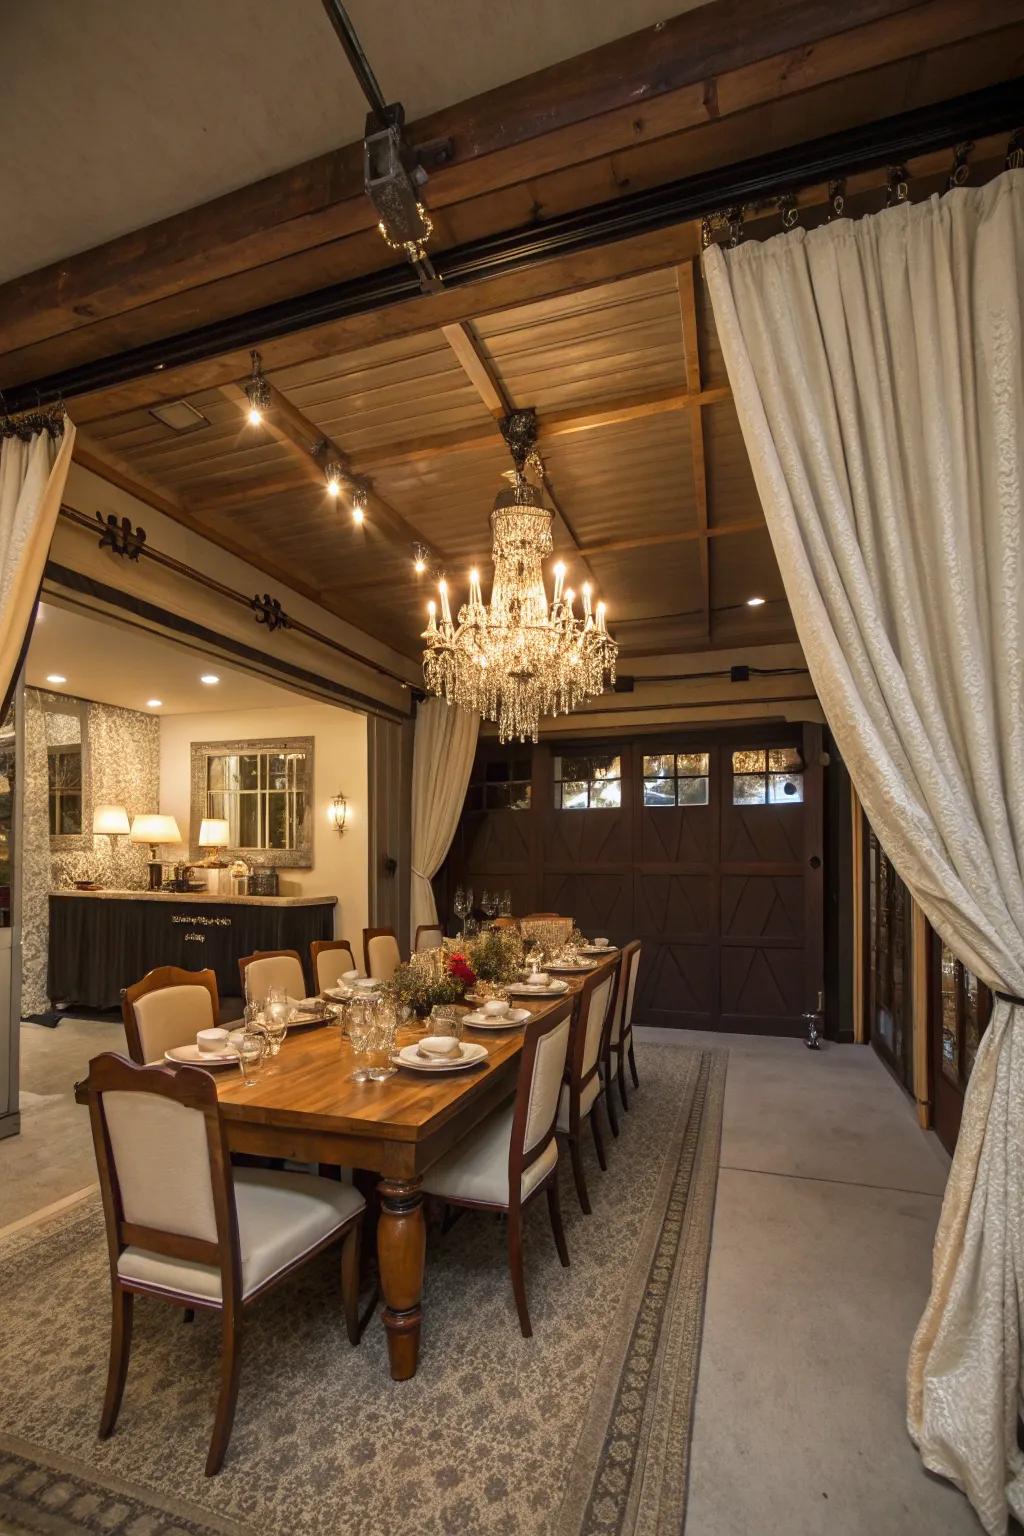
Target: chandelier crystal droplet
{"type": "Point", "coordinates": [520, 657]}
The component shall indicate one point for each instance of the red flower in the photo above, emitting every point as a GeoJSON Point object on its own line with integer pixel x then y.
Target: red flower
{"type": "Point", "coordinates": [460, 968]}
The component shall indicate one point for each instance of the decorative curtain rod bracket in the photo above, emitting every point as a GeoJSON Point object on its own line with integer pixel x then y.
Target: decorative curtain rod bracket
{"type": "Point", "coordinates": [120, 537]}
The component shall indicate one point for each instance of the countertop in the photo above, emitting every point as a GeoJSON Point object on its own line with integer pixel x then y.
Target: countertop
{"type": "Point", "coordinates": [204, 898]}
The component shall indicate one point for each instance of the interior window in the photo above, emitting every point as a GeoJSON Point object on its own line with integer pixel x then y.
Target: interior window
{"type": "Point", "coordinates": [676, 778]}
{"type": "Point", "coordinates": [767, 776]}
{"type": "Point", "coordinates": [500, 784]}
{"type": "Point", "coordinates": [64, 777]}
{"type": "Point", "coordinates": [260, 794]}
{"type": "Point", "coordinates": [588, 783]}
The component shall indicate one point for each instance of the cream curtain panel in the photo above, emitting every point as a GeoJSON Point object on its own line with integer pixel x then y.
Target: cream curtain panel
{"type": "Point", "coordinates": [443, 749]}
{"type": "Point", "coordinates": [878, 372]}
{"type": "Point", "coordinates": [33, 472]}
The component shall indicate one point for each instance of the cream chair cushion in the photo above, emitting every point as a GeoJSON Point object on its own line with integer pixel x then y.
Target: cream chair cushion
{"type": "Point", "coordinates": [172, 1016]}
{"type": "Point", "coordinates": [162, 1161]}
{"type": "Point", "coordinates": [627, 1014]}
{"type": "Point", "coordinates": [548, 1071]}
{"type": "Point", "coordinates": [275, 971]}
{"type": "Point", "coordinates": [383, 955]}
{"type": "Point", "coordinates": [620, 999]}
{"type": "Point", "coordinates": [429, 938]}
{"type": "Point", "coordinates": [281, 1216]}
{"type": "Point", "coordinates": [595, 1024]}
{"type": "Point", "coordinates": [331, 965]}
{"type": "Point", "coordinates": [477, 1169]}
{"type": "Point", "coordinates": [587, 1097]}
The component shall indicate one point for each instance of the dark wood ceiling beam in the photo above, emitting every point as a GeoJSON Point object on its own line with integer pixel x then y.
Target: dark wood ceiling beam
{"type": "Point", "coordinates": [700, 65]}
{"type": "Point", "coordinates": [686, 285]}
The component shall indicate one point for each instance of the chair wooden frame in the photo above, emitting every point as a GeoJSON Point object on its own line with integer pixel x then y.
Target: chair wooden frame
{"type": "Point", "coordinates": [519, 1161]}
{"type": "Point", "coordinates": [576, 1080]}
{"type": "Point", "coordinates": [193, 1089]}
{"type": "Point", "coordinates": [270, 954]}
{"type": "Point", "coordinates": [428, 928]}
{"type": "Point", "coordinates": [155, 981]}
{"type": "Point", "coordinates": [321, 946]}
{"type": "Point", "coordinates": [377, 933]}
{"type": "Point", "coordinates": [619, 1049]}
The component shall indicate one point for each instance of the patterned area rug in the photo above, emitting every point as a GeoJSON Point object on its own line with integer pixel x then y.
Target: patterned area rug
{"type": "Point", "coordinates": [584, 1430]}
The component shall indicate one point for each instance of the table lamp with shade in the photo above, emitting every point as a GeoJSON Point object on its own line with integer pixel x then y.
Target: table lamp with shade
{"type": "Point", "coordinates": [214, 834]}
{"type": "Point", "coordinates": [153, 830]}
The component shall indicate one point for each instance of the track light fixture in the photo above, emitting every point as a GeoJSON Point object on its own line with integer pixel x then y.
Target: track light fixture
{"type": "Point", "coordinates": [359, 505]}
{"type": "Point", "coordinates": [257, 391]}
{"type": "Point", "coordinates": [335, 477]}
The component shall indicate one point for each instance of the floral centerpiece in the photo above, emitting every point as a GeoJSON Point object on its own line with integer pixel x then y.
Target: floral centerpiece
{"type": "Point", "coordinates": [431, 977]}
{"type": "Point", "coordinates": [496, 956]}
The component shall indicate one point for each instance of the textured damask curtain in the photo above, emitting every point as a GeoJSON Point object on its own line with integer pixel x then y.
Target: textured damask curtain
{"type": "Point", "coordinates": [878, 373]}
{"type": "Point", "coordinates": [33, 471]}
{"type": "Point", "coordinates": [443, 750]}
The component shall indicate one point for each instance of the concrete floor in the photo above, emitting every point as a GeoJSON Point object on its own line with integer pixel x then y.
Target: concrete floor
{"type": "Point", "coordinates": [827, 1201]}
{"type": "Point", "coordinates": [52, 1157]}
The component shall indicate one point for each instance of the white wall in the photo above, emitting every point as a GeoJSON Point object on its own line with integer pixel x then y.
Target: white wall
{"type": "Point", "coordinates": [339, 863]}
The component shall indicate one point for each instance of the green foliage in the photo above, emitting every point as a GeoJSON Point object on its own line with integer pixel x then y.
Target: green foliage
{"type": "Point", "coordinates": [496, 955]}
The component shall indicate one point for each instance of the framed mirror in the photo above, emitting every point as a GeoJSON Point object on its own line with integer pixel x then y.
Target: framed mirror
{"type": "Point", "coordinates": [68, 777]}
{"type": "Point", "coordinates": [263, 790]}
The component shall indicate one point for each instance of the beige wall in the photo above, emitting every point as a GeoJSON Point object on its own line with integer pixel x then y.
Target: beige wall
{"type": "Point", "coordinates": [339, 863]}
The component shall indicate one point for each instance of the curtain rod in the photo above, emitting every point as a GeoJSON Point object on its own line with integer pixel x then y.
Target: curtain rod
{"type": "Point", "coordinates": [131, 543]}
{"type": "Point", "coordinates": [994, 109]}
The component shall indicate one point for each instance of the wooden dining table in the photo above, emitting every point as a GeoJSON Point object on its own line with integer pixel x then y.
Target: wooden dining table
{"type": "Point", "coordinates": [305, 1106]}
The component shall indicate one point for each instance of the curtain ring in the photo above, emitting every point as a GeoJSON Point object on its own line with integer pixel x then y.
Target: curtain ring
{"type": "Point", "coordinates": [788, 210]}
{"type": "Point", "coordinates": [836, 199]}
{"type": "Point", "coordinates": [896, 189]}
{"type": "Point", "coordinates": [734, 219]}
{"type": "Point", "coordinates": [1015, 151]}
{"type": "Point", "coordinates": [705, 232]}
{"type": "Point", "coordinates": [958, 171]}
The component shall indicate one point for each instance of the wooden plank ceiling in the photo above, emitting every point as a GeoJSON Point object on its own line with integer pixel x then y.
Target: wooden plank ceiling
{"type": "Point", "coordinates": [621, 398]}
{"type": "Point", "coordinates": [645, 465]}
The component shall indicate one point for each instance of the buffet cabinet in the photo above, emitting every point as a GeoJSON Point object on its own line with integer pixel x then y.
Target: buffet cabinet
{"type": "Point", "coordinates": [101, 941]}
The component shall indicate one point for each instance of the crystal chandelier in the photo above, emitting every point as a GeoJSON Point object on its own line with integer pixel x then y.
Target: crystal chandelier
{"type": "Point", "coordinates": [520, 657]}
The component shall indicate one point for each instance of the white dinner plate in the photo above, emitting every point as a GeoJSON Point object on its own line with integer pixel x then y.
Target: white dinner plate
{"type": "Point", "coordinates": [510, 1020]}
{"type": "Point", "coordinates": [192, 1056]}
{"type": "Point", "coordinates": [596, 949]}
{"type": "Point", "coordinates": [520, 989]}
{"type": "Point", "coordinates": [304, 1020]}
{"type": "Point", "coordinates": [472, 1055]}
{"type": "Point", "coordinates": [339, 993]}
{"type": "Point", "coordinates": [573, 970]}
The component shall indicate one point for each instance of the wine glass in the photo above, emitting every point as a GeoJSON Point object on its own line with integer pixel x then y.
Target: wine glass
{"type": "Point", "coordinates": [490, 904]}
{"type": "Point", "coordinates": [252, 1048]}
{"type": "Point", "coordinates": [506, 903]}
{"type": "Point", "coordinates": [461, 907]}
{"type": "Point", "coordinates": [275, 1018]}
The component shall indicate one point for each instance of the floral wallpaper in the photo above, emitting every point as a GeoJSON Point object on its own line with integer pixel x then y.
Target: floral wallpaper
{"type": "Point", "coordinates": [124, 763]}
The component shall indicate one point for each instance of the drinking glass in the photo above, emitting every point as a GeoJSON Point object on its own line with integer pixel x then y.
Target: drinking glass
{"type": "Point", "coordinates": [251, 1050]}
{"type": "Point", "coordinates": [446, 1020]}
{"type": "Point", "coordinates": [382, 1044]}
{"type": "Point", "coordinates": [490, 903]}
{"type": "Point", "coordinates": [461, 907]}
{"type": "Point", "coordinates": [360, 1033]}
{"type": "Point", "coordinates": [506, 903]}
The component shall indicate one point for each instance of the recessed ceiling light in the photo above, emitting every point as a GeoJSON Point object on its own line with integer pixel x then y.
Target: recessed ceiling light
{"type": "Point", "coordinates": [209, 678]}
{"type": "Point", "coordinates": [55, 677]}
{"type": "Point", "coordinates": [154, 703]}
{"type": "Point", "coordinates": [755, 602]}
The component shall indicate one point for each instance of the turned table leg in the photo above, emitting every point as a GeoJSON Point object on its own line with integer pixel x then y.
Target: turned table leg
{"type": "Point", "coordinates": [401, 1251]}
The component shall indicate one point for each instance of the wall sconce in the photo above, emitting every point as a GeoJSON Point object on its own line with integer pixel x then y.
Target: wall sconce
{"type": "Point", "coordinates": [337, 813]}
{"type": "Point", "coordinates": [111, 821]}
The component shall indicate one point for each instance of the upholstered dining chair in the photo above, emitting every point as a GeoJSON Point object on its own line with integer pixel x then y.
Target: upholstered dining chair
{"type": "Point", "coordinates": [620, 1033]}
{"type": "Point", "coordinates": [168, 1007]}
{"type": "Point", "coordinates": [267, 968]}
{"type": "Point", "coordinates": [582, 1089]}
{"type": "Point", "coordinates": [513, 1154]}
{"type": "Point", "coordinates": [330, 959]}
{"type": "Point", "coordinates": [184, 1226]}
{"type": "Point", "coordinates": [428, 936]}
{"type": "Point", "coordinates": [381, 954]}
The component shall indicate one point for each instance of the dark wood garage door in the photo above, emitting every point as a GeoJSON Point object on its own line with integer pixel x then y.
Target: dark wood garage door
{"type": "Point", "coordinates": [706, 846]}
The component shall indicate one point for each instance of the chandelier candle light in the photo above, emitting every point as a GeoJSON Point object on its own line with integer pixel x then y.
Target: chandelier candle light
{"type": "Point", "coordinates": [520, 657]}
